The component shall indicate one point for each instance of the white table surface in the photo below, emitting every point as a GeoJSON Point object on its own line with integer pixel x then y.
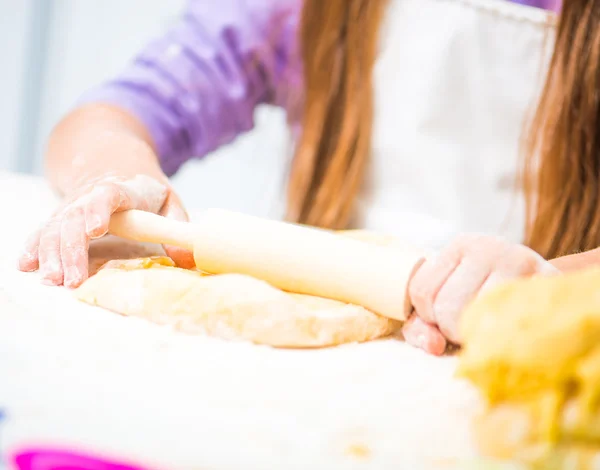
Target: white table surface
{"type": "Point", "coordinates": [88, 379]}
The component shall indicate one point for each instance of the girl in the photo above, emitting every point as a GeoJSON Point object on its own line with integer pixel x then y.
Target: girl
{"type": "Point", "coordinates": [406, 113]}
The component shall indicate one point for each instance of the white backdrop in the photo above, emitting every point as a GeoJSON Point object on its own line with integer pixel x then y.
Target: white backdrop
{"type": "Point", "coordinates": [64, 47]}
{"type": "Point", "coordinates": [14, 28]}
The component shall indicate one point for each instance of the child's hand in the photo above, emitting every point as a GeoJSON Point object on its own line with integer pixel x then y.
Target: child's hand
{"type": "Point", "coordinates": [60, 248]}
{"type": "Point", "coordinates": [443, 285]}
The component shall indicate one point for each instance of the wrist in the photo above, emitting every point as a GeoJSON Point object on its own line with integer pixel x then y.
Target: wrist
{"type": "Point", "coordinates": [101, 155]}
{"type": "Point", "coordinates": [577, 261]}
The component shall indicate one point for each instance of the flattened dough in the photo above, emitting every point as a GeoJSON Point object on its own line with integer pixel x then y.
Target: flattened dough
{"type": "Point", "coordinates": [232, 306]}
{"type": "Point", "coordinates": [228, 306]}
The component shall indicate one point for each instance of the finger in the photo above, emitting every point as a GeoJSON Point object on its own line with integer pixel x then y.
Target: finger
{"type": "Point", "coordinates": [423, 335]}
{"type": "Point", "coordinates": [182, 258]}
{"type": "Point", "coordinates": [548, 269]}
{"type": "Point", "coordinates": [494, 280]}
{"type": "Point", "coordinates": [74, 247]}
{"type": "Point", "coordinates": [428, 280]}
{"type": "Point", "coordinates": [173, 209]}
{"type": "Point", "coordinates": [49, 253]}
{"type": "Point", "coordinates": [500, 276]}
{"type": "Point", "coordinates": [98, 207]}
{"type": "Point", "coordinates": [520, 261]}
{"type": "Point", "coordinates": [459, 289]}
{"type": "Point", "coordinates": [29, 261]}
{"type": "Point", "coordinates": [143, 193]}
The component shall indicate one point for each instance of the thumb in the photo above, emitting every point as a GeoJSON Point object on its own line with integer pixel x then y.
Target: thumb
{"type": "Point", "coordinates": [423, 335]}
{"type": "Point", "coordinates": [173, 209]}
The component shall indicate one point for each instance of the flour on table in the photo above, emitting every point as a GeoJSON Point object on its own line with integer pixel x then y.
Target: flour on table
{"type": "Point", "coordinates": [81, 378]}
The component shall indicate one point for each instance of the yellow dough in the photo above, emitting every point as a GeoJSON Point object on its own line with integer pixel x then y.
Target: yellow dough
{"type": "Point", "coordinates": [232, 306]}
{"type": "Point", "coordinates": [532, 347]}
{"type": "Point", "coordinates": [228, 306]}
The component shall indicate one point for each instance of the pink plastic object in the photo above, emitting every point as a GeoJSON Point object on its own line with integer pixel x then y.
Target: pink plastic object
{"type": "Point", "coordinates": [54, 459]}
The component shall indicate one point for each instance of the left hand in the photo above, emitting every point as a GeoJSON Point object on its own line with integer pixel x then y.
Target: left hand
{"type": "Point", "coordinates": [444, 284]}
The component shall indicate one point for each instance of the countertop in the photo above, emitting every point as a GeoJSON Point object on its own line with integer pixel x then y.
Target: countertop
{"type": "Point", "coordinates": [84, 378]}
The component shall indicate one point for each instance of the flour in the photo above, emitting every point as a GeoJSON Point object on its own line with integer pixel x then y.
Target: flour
{"type": "Point", "coordinates": [77, 377]}
{"type": "Point", "coordinates": [132, 389]}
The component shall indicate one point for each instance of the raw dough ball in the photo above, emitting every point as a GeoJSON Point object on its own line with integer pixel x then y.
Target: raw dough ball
{"type": "Point", "coordinates": [228, 306]}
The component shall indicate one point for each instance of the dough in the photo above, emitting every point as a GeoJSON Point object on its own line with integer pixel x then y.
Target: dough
{"type": "Point", "coordinates": [532, 347]}
{"type": "Point", "coordinates": [287, 256]}
{"type": "Point", "coordinates": [228, 306]}
{"type": "Point", "coordinates": [108, 248]}
{"type": "Point", "coordinates": [231, 306]}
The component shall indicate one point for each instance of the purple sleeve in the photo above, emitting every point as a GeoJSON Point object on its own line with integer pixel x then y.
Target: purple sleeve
{"type": "Point", "coordinates": [196, 87]}
{"type": "Point", "coordinates": [547, 4]}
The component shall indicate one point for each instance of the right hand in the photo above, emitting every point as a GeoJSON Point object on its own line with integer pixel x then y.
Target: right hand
{"type": "Point", "coordinates": [59, 249]}
{"type": "Point", "coordinates": [445, 284]}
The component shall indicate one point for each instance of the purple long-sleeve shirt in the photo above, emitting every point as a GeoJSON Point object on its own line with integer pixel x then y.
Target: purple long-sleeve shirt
{"type": "Point", "coordinates": [547, 4]}
{"type": "Point", "coordinates": [196, 88]}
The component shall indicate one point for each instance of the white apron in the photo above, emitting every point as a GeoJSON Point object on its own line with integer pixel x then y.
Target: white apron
{"type": "Point", "coordinates": [454, 83]}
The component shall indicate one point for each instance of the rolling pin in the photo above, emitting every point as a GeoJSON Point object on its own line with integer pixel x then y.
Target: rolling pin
{"type": "Point", "coordinates": [292, 257]}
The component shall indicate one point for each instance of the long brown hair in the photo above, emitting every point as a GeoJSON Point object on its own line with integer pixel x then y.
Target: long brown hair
{"type": "Point", "coordinates": [562, 165]}
{"type": "Point", "coordinates": [561, 171]}
{"type": "Point", "coordinates": [339, 41]}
